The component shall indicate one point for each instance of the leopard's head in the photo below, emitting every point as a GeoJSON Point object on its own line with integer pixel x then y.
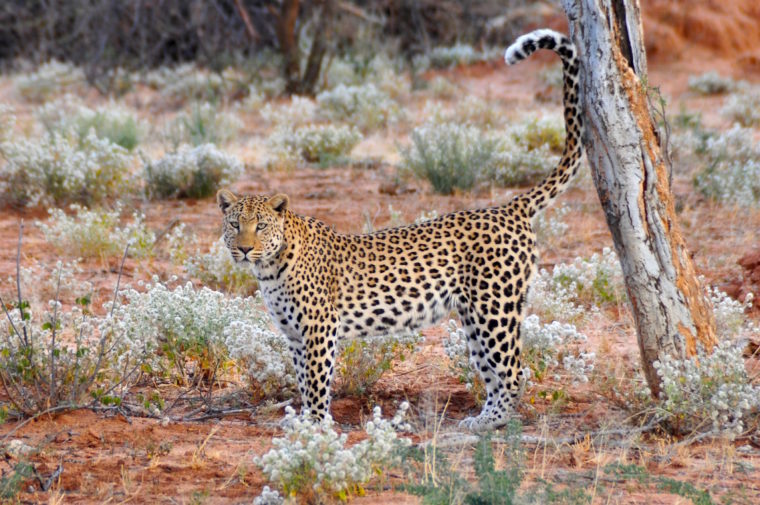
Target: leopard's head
{"type": "Point", "coordinates": [253, 225]}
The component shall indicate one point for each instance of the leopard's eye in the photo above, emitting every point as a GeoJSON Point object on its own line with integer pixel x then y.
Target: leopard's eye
{"type": "Point", "coordinates": [235, 225]}
{"type": "Point", "coordinates": [261, 226]}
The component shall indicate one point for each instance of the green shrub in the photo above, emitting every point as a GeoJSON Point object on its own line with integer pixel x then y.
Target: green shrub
{"type": "Point", "coordinates": [460, 54]}
{"type": "Point", "coordinates": [188, 82]}
{"type": "Point", "coordinates": [450, 156]}
{"type": "Point", "coordinates": [364, 106]}
{"type": "Point", "coordinates": [202, 124]}
{"type": "Point", "coordinates": [744, 107]}
{"type": "Point", "coordinates": [298, 112]}
{"type": "Point", "coordinates": [472, 111]}
{"type": "Point", "coordinates": [711, 83]}
{"type": "Point", "coordinates": [7, 123]}
{"type": "Point", "coordinates": [49, 79]}
{"type": "Point", "coordinates": [214, 268]}
{"type": "Point", "coordinates": [96, 233]}
{"type": "Point", "coordinates": [362, 362]}
{"type": "Point", "coordinates": [191, 172]}
{"type": "Point", "coordinates": [732, 167]}
{"type": "Point", "coordinates": [70, 118]}
{"type": "Point", "coordinates": [534, 133]}
{"type": "Point", "coordinates": [314, 143]}
{"type": "Point", "coordinates": [54, 356]}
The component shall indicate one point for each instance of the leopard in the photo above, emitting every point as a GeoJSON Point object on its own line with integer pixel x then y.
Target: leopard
{"type": "Point", "coordinates": [320, 285]}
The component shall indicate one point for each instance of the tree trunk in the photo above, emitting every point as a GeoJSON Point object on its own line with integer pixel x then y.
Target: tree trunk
{"type": "Point", "coordinates": [670, 310]}
{"type": "Point", "coordinates": [287, 36]}
{"type": "Point", "coordinates": [288, 40]}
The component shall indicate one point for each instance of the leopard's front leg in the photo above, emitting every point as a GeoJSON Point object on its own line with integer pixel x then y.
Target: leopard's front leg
{"type": "Point", "coordinates": [314, 360]}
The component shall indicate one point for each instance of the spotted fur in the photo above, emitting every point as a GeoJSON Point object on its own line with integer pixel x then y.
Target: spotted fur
{"type": "Point", "coordinates": [320, 285]}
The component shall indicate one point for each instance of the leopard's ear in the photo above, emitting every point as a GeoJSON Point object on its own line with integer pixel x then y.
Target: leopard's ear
{"type": "Point", "coordinates": [225, 198]}
{"type": "Point", "coordinates": [279, 203]}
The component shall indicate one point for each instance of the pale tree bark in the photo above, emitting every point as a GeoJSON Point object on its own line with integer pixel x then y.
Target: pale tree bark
{"type": "Point", "coordinates": [670, 310]}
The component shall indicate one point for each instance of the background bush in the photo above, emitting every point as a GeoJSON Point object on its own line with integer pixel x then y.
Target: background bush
{"type": "Point", "coordinates": [191, 172]}
{"type": "Point", "coordinates": [57, 170]}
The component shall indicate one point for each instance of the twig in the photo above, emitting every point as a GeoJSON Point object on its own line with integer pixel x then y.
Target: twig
{"type": "Point", "coordinates": [23, 423]}
{"type": "Point", "coordinates": [54, 325]}
{"type": "Point", "coordinates": [359, 12]}
{"type": "Point", "coordinates": [102, 343]}
{"type": "Point", "coordinates": [49, 482]}
{"type": "Point", "coordinates": [231, 412]}
{"type": "Point", "coordinates": [252, 33]}
{"type": "Point", "coordinates": [457, 439]}
{"type": "Point", "coordinates": [219, 413]}
{"type": "Point", "coordinates": [165, 231]}
{"type": "Point", "coordinates": [18, 279]}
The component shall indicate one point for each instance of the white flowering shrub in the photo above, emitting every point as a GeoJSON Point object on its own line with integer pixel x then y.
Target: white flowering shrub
{"type": "Point", "coordinates": [298, 112]}
{"type": "Point", "coordinates": [96, 233]}
{"type": "Point", "coordinates": [52, 355]}
{"type": "Point", "coordinates": [311, 461]}
{"type": "Point", "coordinates": [553, 348]}
{"type": "Point", "coordinates": [186, 82]}
{"type": "Point", "coordinates": [471, 110]}
{"type": "Point", "coordinates": [451, 156]}
{"type": "Point", "coordinates": [41, 281]}
{"type": "Point", "coordinates": [734, 145]}
{"type": "Point", "coordinates": [173, 332]}
{"type": "Point", "coordinates": [460, 54]}
{"type": "Point", "coordinates": [363, 106]}
{"type": "Point", "coordinates": [380, 69]}
{"type": "Point", "coordinates": [744, 107]}
{"type": "Point", "coordinates": [363, 361]}
{"type": "Point", "coordinates": [594, 280]}
{"type": "Point", "coordinates": [202, 124]}
{"type": "Point", "coordinates": [711, 83]}
{"type": "Point", "coordinates": [731, 320]}
{"type": "Point", "coordinates": [216, 267]}
{"type": "Point", "coordinates": [50, 79]}
{"type": "Point", "coordinates": [322, 144]}
{"type": "Point", "coordinates": [461, 362]}
{"type": "Point", "coordinates": [389, 75]}
{"type": "Point", "coordinates": [529, 150]}
{"type": "Point", "coordinates": [268, 497]}
{"type": "Point", "coordinates": [552, 76]}
{"type": "Point", "coordinates": [709, 392]}
{"type": "Point", "coordinates": [547, 346]}
{"type": "Point", "coordinates": [732, 167]}
{"type": "Point", "coordinates": [548, 224]}
{"type": "Point", "coordinates": [737, 183]}
{"type": "Point", "coordinates": [254, 100]}
{"type": "Point", "coordinates": [57, 170]}
{"type": "Point", "coordinates": [7, 122]}
{"type": "Point", "coordinates": [68, 117]}
{"type": "Point", "coordinates": [534, 133]}
{"type": "Point", "coordinates": [262, 354]}
{"type": "Point", "coordinates": [552, 300]}
{"type": "Point", "coordinates": [443, 88]}
{"type": "Point", "coordinates": [191, 172]}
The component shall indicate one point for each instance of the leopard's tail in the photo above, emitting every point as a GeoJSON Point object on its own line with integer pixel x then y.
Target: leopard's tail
{"type": "Point", "coordinates": [557, 181]}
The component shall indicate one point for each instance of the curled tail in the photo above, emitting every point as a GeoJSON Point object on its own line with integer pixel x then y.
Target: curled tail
{"type": "Point", "coordinates": [556, 182]}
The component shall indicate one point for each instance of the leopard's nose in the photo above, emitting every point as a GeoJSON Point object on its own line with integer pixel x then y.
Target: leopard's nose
{"type": "Point", "coordinates": [244, 250]}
